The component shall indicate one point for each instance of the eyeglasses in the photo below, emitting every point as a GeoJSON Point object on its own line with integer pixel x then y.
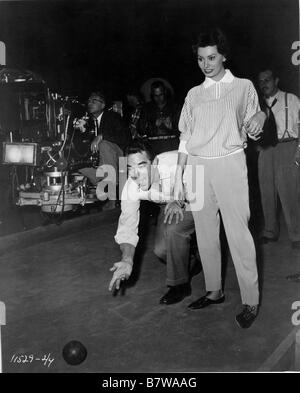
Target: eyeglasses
{"type": "Point", "coordinates": [94, 100]}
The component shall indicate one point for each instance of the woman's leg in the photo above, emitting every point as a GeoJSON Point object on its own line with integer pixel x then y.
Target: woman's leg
{"type": "Point", "coordinates": [207, 225]}
{"type": "Point", "coordinates": [231, 186]}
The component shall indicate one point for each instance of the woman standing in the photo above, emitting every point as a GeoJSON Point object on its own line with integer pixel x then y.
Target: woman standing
{"type": "Point", "coordinates": [215, 120]}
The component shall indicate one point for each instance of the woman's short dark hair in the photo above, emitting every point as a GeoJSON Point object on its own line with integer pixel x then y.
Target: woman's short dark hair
{"type": "Point", "coordinates": [213, 37]}
{"type": "Point", "coordinates": [140, 146]}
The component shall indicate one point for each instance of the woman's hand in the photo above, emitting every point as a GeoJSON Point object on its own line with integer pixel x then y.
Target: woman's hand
{"type": "Point", "coordinates": [255, 124]}
{"type": "Point", "coordinates": [173, 209]}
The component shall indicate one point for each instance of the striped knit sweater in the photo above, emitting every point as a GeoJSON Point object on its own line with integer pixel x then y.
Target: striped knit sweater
{"type": "Point", "coordinates": [214, 115]}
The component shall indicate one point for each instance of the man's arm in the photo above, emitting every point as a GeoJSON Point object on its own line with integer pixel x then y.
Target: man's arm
{"type": "Point", "coordinates": [128, 251]}
{"type": "Point", "coordinates": [127, 234]}
{"type": "Point", "coordinates": [122, 270]}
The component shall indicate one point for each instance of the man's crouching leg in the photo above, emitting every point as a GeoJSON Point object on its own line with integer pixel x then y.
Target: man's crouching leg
{"type": "Point", "coordinates": [172, 245]}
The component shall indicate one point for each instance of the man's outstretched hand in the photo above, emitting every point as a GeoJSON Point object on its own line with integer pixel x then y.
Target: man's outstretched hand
{"type": "Point", "coordinates": [122, 271]}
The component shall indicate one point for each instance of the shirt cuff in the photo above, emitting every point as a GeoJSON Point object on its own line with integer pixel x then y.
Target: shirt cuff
{"type": "Point", "coordinates": [133, 240]}
{"type": "Point", "coordinates": [181, 148]}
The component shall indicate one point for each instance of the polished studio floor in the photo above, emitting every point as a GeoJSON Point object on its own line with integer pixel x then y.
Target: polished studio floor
{"type": "Point", "coordinates": [54, 282]}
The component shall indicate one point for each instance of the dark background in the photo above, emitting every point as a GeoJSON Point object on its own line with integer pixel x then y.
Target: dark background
{"type": "Point", "coordinates": [116, 44]}
{"type": "Point", "coordinates": [77, 46]}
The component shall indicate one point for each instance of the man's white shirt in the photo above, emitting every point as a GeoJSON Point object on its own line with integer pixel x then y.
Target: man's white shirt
{"type": "Point", "coordinates": [164, 165]}
{"type": "Point", "coordinates": [280, 114]}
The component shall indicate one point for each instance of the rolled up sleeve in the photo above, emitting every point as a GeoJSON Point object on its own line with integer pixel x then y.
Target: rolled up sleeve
{"type": "Point", "coordinates": [127, 231]}
{"type": "Point", "coordinates": [252, 104]}
{"type": "Point", "coordinates": [129, 219]}
{"type": "Point", "coordinates": [182, 147]}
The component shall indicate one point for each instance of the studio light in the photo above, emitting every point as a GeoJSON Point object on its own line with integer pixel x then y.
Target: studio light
{"type": "Point", "coordinates": [18, 153]}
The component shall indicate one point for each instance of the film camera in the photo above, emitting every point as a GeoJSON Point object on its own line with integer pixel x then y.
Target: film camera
{"type": "Point", "coordinates": [45, 148]}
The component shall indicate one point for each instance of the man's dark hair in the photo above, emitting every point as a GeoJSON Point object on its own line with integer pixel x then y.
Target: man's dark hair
{"type": "Point", "coordinates": [139, 146]}
{"type": "Point", "coordinates": [135, 93]}
{"type": "Point", "coordinates": [99, 93]}
{"type": "Point", "coordinates": [273, 70]}
{"type": "Point", "coordinates": [212, 37]}
{"type": "Point", "coordinates": [158, 84]}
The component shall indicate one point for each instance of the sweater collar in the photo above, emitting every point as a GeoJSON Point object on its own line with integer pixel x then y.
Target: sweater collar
{"type": "Point", "coordinates": [227, 78]}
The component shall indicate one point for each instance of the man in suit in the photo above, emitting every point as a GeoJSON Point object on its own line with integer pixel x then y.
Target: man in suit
{"type": "Point", "coordinates": [278, 163]}
{"type": "Point", "coordinates": [109, 141]}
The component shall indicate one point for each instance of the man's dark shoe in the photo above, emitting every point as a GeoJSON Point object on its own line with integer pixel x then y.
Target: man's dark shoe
{"type": "Point", "coordinates": [246, 317]}
{"type": "Point", "coordinates": [205, 302]}
{"type": "Point", "coordinates": [175, 294]}
{"type": "Point", "coordinates": [296, 245]}
{"type": "Point", "coordinates": [266, 240]}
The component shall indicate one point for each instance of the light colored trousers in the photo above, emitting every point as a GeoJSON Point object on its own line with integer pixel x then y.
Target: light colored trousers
{"type": "Point", "coordinates": [280, 177]}
{"type": "Point", "coordinates": [109, 155]}
{"type": "Point", "coordinates": [225, 188]}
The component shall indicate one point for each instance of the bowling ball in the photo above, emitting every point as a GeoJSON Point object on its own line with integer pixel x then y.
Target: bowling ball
{"type": "Point", "coordinates": [74, 352]}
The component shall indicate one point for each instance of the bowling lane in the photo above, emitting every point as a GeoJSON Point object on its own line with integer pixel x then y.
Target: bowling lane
{"type": "Point", "coordinates": [56, 291]}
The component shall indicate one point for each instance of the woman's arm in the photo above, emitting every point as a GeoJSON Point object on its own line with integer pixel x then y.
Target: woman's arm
{"type": "Point", "coordinates": [178, 186]}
